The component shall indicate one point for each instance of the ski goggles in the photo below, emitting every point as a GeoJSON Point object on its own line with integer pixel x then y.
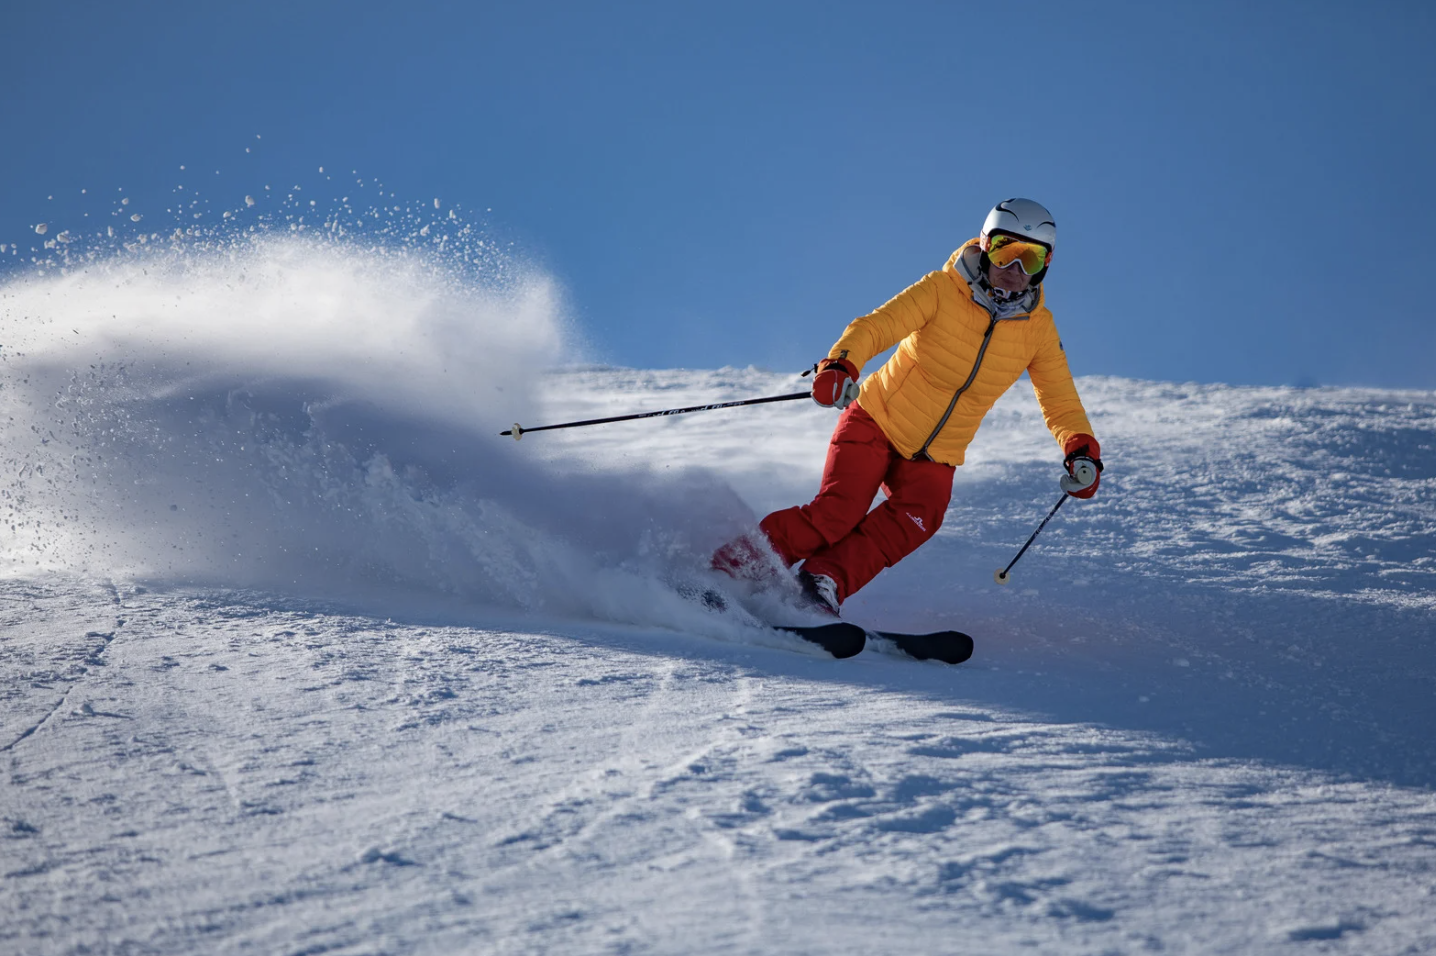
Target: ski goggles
{"type": "Point", "coordinates": [1003, 251]}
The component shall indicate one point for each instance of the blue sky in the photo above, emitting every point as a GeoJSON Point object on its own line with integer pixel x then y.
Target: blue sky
{"type": "Point", "coordinates": [1243, 191]}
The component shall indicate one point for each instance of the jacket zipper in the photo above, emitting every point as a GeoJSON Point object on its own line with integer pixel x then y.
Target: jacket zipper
{"type": "Point", "coordinates": [922, 452]}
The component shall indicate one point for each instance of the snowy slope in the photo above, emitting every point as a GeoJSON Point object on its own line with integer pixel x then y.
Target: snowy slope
{"type": "Point", "coordinates": [300, 656]}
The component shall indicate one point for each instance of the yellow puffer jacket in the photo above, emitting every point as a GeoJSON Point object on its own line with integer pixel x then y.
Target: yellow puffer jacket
{"type": "Point", "coordinates": [953, 361]}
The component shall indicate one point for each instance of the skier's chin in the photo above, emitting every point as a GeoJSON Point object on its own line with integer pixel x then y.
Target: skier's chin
{"type": "Point", "coordinates": [1007, 282]}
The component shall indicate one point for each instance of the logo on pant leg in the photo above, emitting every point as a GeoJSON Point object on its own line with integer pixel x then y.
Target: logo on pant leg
{"type": "Point", "coordinates": [917, 521]}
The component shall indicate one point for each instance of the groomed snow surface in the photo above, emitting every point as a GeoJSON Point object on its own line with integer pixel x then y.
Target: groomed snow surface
{"type": "Point", "coordinates": [299, 656]}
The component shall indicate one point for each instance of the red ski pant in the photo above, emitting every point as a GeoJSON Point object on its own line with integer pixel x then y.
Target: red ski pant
{"type": "Point", "coordinates": [836, 534]}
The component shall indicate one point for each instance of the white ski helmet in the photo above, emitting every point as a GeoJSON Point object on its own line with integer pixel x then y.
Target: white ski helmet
{"type": "Point", "coordinates": [1022, 218]}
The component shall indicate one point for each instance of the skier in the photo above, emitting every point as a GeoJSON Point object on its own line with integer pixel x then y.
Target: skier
{"type": "Point", "coordinates": [964, 335]}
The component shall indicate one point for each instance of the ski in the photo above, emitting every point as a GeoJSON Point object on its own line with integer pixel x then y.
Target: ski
{"type": "Point", "coordinates": [838, 639]}
{"type": "Point", "coordinates": [842, 639]}
{"type": "Point", "coordinates": [950, 647]}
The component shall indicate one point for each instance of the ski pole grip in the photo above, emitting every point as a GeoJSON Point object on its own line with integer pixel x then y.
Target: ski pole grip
{"type": "Point", "coordinates": [1084, 473]}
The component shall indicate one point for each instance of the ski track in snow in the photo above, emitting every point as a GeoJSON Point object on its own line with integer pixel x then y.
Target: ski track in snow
{"type": "Point", "coordinates": [233, 776]}
{"type": "Point", "coordinates": [383, 682]}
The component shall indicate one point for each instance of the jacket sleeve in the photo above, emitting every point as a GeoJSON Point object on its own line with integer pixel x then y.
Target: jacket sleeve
{"type": "Point", "coordinates": [892, 322]}
{"type": "Point", "coordinates": [1056, 392]}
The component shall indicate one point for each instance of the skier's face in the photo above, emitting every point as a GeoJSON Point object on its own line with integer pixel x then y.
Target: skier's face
{"type": "Point", "coordinates": [1012, 279]}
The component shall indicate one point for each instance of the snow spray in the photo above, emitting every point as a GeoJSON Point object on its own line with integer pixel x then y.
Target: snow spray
{"type": "Point", "coordinates": [313, 411]}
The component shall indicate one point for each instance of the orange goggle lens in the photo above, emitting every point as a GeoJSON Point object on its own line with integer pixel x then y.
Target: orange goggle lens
{"type": "Point", "coordinates": [1003, 251]}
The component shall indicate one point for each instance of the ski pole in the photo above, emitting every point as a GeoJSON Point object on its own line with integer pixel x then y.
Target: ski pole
{"type": "Point", "coordinates": [1001, 576]}
{"type": "Point", "coordinates": [519, 432]}
{"type": "Point", "coordinates": [1084, 473]}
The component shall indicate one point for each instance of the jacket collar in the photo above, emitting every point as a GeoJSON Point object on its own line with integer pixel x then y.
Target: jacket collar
{"type": "Point", "coordinates": [966, 264]}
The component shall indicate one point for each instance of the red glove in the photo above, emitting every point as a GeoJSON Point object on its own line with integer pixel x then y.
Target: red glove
{"type": "Point", "coordinates": [836, 383]}
{"type": "Point", "coordinates": [1081, 449]}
